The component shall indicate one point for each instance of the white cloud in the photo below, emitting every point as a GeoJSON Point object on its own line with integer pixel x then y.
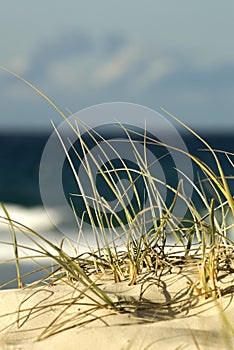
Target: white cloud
{"type": "Point", "coordinates": [156, 69]}
{"type": "Point", "coordinates": [131, 71]}
{"type": "Point", "coordinates": [19, 64]}
{"type": "Point", "coordinates": [63, 74]}
{"type": "Point", "coordinates": [115, 67]}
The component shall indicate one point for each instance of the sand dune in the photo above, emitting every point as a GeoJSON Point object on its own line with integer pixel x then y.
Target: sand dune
{"type": "Point", "coordinates": [163, 313]}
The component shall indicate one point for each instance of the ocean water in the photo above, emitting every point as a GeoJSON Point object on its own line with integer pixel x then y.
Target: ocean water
{"type": "Point", "coordinates": [20, 156]}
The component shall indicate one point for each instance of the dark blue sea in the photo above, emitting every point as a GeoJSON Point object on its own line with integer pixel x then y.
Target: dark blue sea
{"type": "Point", "coordinates": [20, 155]}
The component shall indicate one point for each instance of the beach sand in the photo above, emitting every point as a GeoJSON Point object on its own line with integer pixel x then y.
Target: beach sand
{"type": "Point", "coordinates": [159, 313]}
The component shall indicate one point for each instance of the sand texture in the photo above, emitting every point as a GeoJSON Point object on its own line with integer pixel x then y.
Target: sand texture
{"type": "Point", "coordinates": [156, 313]}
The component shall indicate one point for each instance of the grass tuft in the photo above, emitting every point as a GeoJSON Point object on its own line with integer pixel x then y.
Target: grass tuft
{"type": "Point", "coordinates": [141, 242]}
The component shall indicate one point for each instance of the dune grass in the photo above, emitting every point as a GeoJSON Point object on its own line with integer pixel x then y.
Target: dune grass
{"type": "Point", "coordinates": [140, 244]}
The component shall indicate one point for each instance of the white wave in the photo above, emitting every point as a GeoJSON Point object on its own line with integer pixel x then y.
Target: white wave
{"type": "Point", "coordinates": [35, 218]}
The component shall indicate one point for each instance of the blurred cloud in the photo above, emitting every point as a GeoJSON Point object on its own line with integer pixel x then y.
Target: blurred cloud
{"type": "Point", "coordinates": [118, 66]}
{"type": "Point", "coordinates": [67, 45]}
{"type": "Point", "coordinates": [77, 66]}
{"type": "Point", "coordinates": [19, 64]}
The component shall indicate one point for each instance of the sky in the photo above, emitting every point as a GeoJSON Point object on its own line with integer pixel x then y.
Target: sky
{"type": "Point", "coordinates": [173, 54]}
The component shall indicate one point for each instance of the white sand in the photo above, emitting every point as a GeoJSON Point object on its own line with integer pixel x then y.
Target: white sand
{"type": "Point", "coordinates": [154, 322]}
